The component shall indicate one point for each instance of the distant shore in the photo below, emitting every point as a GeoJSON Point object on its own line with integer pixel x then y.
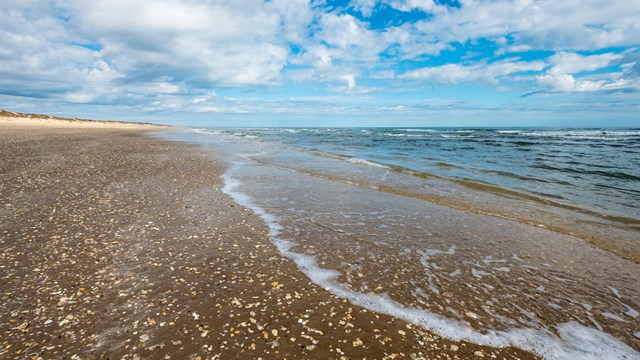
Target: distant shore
{"type": "Point", "coordinates": [25, 119]}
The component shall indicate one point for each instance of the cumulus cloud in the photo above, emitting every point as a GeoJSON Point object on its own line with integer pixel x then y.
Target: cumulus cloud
{"type": "Point", "coordinates": [574, 63]}
{"type": "Point", "coordinates": [560, 77]}
{"type": "Point", "coordinates": [38, 55]}
{"type": "Point", "coordinates": [221, 43]}
{"type": "Point", "coordinates": [345, 31]}
{"type": "Point", "coordinates": [555, 25]}
{"type": "Point", "coordinates": [173, 54]}
{"type": "Point", "coordinates": [556, 80]}
{"type": "Point", "coordinates": [429, 6]}
{"type": "Point", "coordinates": [458, 73]}
{"type": "Point", "coordinates": [56, 46]}
{"type": "Point", "coordinates": [342, 48]}
{"type": "Point", "coordinates": [444, 74]}
{"type": "Point", "coordinates": [562, 73]}
{"type": "Point", "coordinates": [365, 7]}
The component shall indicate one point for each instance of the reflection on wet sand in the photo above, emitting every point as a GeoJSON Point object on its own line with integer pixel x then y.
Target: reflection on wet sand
{"type": "Point", "coordinates": [464, 275]}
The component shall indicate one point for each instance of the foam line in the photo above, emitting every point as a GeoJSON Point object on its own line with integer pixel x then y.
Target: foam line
{"type": "Point", "coordinates": [574, 340]}
{"type": "Point", "coordinates": [359, 161]}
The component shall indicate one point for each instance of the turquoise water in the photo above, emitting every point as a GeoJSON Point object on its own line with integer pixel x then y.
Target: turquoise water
{"type": "Point", "coordinates": [598, 169]}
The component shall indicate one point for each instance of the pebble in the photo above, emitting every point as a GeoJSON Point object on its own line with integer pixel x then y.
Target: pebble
{"type": "Point", "coordinates": [471, 315]}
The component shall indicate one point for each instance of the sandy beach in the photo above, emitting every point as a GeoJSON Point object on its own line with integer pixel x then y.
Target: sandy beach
{"type": "Point", "coordinates": [310, 179]}
{"type": "Point", "coordinates": [116, 244]}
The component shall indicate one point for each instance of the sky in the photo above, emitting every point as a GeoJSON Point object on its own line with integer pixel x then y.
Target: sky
{"type": "Point", "coordinates": [568, 63]}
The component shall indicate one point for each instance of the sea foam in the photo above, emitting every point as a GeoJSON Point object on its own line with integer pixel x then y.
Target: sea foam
{"type": "Point", "coordinates": [573, 340]}
{"type": "Point", "coordinates": [359, 161]}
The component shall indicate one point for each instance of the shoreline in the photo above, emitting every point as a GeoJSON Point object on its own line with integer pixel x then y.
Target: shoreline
{"type": "Point", "coordinates": [607, 230]}
{"type": "Point", "coordinates": [537, 278]}
{"type": "Point", "coordinates": [117, 243]}
{"type": "Point", "coordinates": [613, 233]}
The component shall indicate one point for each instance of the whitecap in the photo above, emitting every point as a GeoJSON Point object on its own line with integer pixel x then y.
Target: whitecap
{"type": "Point", "coordinates": [359, 161]}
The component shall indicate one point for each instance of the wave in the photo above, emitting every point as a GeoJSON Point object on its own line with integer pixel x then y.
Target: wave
{"type": "Point", "coordinates": [420, 130]}
{"type": "Point", "coordinates": [403, 135]}
{"type": "Point", "coordinates": [206, 131]}
{"type": "Point", "coordinates": [515, 176]}
{"type": "Point", "coordinates": [444, 165]}
{"type": "Point", "coordinates": [605, 135]}
{"type": "Point", "coordinates": [359, 161]}
{"type": "Point", "coordinates": [617, 188]}
{"type": "Point", "coordinates": [570, 340]}
{"type": "Point", "coordinates": [513, 150]}
{"type": "Point", "coordinates": [525, 143]}
{"type": "Point", "coordinates": [609, 174]}
{"type": "Point", "coordinates": [449, 136]}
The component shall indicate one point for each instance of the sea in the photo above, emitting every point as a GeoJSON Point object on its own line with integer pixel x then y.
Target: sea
{"type": "Point", "coordinates": [597, 169]}
{"type": "Point", "coordinates": [500, 237]}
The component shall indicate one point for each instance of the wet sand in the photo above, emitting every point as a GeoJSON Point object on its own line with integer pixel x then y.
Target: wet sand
{"type": "Point", "coordinates": [116, 244]}
{"type": "Point", "coordinates": [464, 274]}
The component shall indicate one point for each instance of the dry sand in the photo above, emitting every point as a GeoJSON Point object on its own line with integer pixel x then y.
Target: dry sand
{"type": "Point", "coordinates": [115, 244]}
{"type": "Point", "coordinates": [9, 120]}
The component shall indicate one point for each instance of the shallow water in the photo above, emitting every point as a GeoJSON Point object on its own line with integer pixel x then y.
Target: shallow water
{"type": "Point", "coordinates": [463, 275]}
{"type": "Point", "coordinates": [595, 168]}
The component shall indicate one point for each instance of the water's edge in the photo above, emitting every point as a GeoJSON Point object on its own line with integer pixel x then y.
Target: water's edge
{"type": "Point", "coordinates": [562, 340]}
{"type": "Point", "coordinates": [573, 340]}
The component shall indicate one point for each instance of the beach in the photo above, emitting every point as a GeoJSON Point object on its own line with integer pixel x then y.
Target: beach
{"type": "Point", "coordinates": [311, 179]}
{"type": "Point", "coordinates": [119, 243]}
{"type": "Point", "coordinates": [116, 244]}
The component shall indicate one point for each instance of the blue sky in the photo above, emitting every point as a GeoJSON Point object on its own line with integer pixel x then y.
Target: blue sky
{"type": "Point", "coordinates": [325, 63]}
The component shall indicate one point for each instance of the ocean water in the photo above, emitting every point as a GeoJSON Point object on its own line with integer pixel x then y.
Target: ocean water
{"type": "Point", "coordinates": [598, 169]}
{"type": "Point", "coordinates": [365, 214]}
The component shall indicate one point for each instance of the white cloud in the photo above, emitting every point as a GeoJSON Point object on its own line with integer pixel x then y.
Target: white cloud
{"type": "Point", "coordinates": [574, 63]}
{"type": "Point", "coordinates": [563, 72]}
{"type": "Point", "coordinates": [428, 6]}
{"type": "Point", "coordinates": [384, 74]}
{"type": "Point", "coordinates": [39, 56]}
{"type": "Point", "coordinates": [445, 74]}
{"type": "Point", "coordinates": [560, 77]}
{"type": "Point", "coordinates": [342, 50]}
{"type": "Point", "coordinates": [176, 51]}
{"type": "Point", "coordinates": [87, 51]}
{"type": "Point", "coordinates": [295, 18]}
{"type": "Point", "coordinates": [365, 7]}
{"type": "Point", "coordinates": [351, 36]}
{"type": "Point", "coordinates": [557, 25]}
{"type": "Point", "coordinates": [81, 97]}
{"type": "Point", "coordinates": [223, 43]}
{"type": "Point", "coordinates": [350, 80]}
{"type": "Point", "coordinates": [457, 73]}
{"type": "Point", "coordinates": [171, 20]}
{"type": "Point", "coordinates": [562, 82]}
